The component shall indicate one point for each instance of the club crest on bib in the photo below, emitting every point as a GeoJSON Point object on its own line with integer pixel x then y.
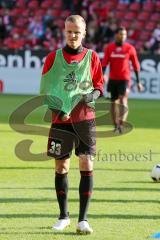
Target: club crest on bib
{"type": "Point", "coordinates": [71, 77]}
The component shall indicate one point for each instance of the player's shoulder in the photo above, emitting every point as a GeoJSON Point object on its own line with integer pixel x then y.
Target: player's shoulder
{"type": "Point", "coordinates": [51, 54]}
{"type": "Point", "coordinates": [49, 60]}
{"type": "Point", "coordinates": [94, 54]}
{"type": "Point", "coordinates": [51, 57]}
{"type": "Point", "coordinates": [110, 45]}
{"type": "Point", "coordinates": [129, 46]}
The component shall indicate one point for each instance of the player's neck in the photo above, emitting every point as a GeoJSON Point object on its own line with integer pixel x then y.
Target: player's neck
{"type": "Point", "coordinates": [73, 51]}
{"type": "Point", "coordinates": [119, 43]}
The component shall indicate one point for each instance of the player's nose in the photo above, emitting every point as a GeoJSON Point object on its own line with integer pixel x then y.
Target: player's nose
{"type": "Point", "coordinates": [73, 35]}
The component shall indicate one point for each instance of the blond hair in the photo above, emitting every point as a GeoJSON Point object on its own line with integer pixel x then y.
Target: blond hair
{"type": "Point", "coordinates": [76, 19]}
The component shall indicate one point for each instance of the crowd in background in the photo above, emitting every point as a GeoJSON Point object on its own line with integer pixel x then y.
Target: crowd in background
{"type": "Point", "coordinates": [46, 31]}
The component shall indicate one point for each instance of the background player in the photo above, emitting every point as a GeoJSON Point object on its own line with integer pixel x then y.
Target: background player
{"type": "Point", "coordinates": [74, 64]}
{"type": "Point", "coordinates": [118, 55]}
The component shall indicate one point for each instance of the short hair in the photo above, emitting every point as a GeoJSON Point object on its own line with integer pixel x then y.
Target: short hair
{"type": "Point", "coordinates": [76, 19]}
{"type": "Point", "coordinates": [119, 29]}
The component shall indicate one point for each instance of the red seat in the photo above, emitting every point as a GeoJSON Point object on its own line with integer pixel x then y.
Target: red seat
{"type": "Point", "coordinates": [139, 24]}
{"type": "Point", "coordinates": [20, 22]}
{"type": "Point", "coordinates": [20, 4]}
{"type": "Point", "coordinates": [144, 36]}
{"type": "Point", "coordinates": [65, 13]}
{"type": "Point", "coordinates": [40, 12]}
{"type": "Point", "coordinates": [111, 5]}
{"type": "Point", "coordinates": [119, 14]}
{"type": "Point", "coordinates": [130, 16]}
{"type": "Point", "coordinates": [33, 4]}
{"type": "Point", "coordinates": [139, 45]}
{"type": "Point", "coordinates": [122, 7]}
{"type": "Point", "coordinates": [148, 7]}
{"type": "Point", "coordinates": [15, 30]}
{"type": "Point", "coordinates": [157, 5]}
{"type": "Point", "coordinates": [150, 26]}
{"type": "Point", "coordinates": [60, 23]}
{"type": "Point", "coordinates": [135, 7]}
{"type": "Point", "coordinates": [126, 24]}
{"type": "Point", "coordinates": [155, 17]}
{"type": "Point", "coordinates": [57, 4]}
{"type": "Point", "coordinates": [15, 12]}
{"type": "Point", "coordinates": [25, 13]}
{"type": "Point", "coordinates": [56, 12]}
{"type": "Point", "coordinates": [46, 4]}
{"type": "Point", "coordinates": [143, 16]}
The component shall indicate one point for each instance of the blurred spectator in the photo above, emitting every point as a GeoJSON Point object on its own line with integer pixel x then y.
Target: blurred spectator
{"type": "Point", "coordinates": [91, 45]}
{"type": "Point", "coordinates": [48, 18]}
{"type": "Point", "coordinates": [84, 14]}
{"type": "Point", "coordinates": [7, 3]}
{"type": "Point", "coordinates": [15, 42]}
{"type": "Point", "coordinates": [102, 11]}
{"type": "Point", "coordinates": [31, 42]}
{"type": "Point", "coordinates": [105, 33]}
{"type": "Point", "coordinates": [7, 20]}
{"type": "Point", "coordinates": [153, 44]}
{"type": "Point", "coordinates": [3, 32]}
{"type": "Point", "coordinates": [51, 45]}
{"type": "Point", "coordinates": [40, 29]}
{"type": "Point", "coordinates": [68, 5]}
{"type": "Point", "coordinates": [77, 6]}
{"type": "Point", "coordinates": [133, 33]}
{"type": "Point", "coordinates": [91, 31]}
{"type": "Point", "coordinates": [48, 34]}
{"type": "Point", "coordinates": [36, 27]}
{"type": "Point", "coordinates": [132, 1]}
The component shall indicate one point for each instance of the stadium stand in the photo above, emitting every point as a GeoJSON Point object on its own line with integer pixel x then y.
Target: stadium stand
{"type": "Point", "coordinates": [39, 24]}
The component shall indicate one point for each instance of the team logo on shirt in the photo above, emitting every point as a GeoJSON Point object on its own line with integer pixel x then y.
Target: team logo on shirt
{"type": "Point", "coordinates": [117, 55]}
{"type": "Point", "coordinates": [71, 77]}
{"type": "Point", "coordinates": [118, 49]}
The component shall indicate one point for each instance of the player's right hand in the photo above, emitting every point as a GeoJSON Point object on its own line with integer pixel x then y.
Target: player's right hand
{"type": "Point", "coordinates": [140, 87]}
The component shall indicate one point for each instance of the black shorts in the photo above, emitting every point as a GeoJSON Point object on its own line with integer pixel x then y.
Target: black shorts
{"type": "Point", "coordinates": [117, 88]}
{"type": "Point", "coordinates": [64, 137]}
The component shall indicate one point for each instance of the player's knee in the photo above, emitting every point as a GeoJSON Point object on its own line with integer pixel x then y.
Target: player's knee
{"type": "Point", "coordinates": [62, 170]}
{"type": "Point", "coordinates": [62, 166]}
{"type": "Point", "coordinates": [124, 102]}
{"type": "Point", "coordinates": [86, 162]}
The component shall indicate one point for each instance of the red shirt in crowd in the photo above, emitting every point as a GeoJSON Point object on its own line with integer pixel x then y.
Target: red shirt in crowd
{"type": "Point", "coordinates": [119, 57]}
{"type": "Point", "coordinates": [81, 112]}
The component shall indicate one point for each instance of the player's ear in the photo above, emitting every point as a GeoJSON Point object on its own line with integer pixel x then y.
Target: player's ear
{"type": "Point", "coordinates": [84, 34]}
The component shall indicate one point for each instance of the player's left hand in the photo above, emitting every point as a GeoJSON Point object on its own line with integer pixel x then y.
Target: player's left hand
{"type": "Point", "coordinates": [64, 116]}
{"type": "Point", "coordinates": [140, 87]}
{"type": "Point", "coordinates": [87, 98]}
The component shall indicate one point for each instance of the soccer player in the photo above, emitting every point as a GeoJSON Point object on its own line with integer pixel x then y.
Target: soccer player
{"type": "Point", "coordinates": [118, 55]}
{"type": "Point", "coordinates": [73, 75]}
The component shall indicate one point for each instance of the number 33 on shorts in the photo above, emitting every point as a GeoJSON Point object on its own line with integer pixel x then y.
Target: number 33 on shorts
{"type": "Point", "coordinates": [54, 148]}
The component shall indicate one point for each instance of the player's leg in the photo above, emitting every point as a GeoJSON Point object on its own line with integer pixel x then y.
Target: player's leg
{"type": "Point", "coordinates": [115, 113]}
{"type": "Point", "coordinates": [114, 103]}
{"type": "Point", "coordinates": [60, 149]}
{"type": "Point", "coordinates": [123, 103]}
{"type": "Point", "coordinates": [61, 186]}
{"type": "Point", "coordinates": [85, 192]}
{"type": "Point", "coordinates": [86, 184]}
{"type": "Point", "coordinates": [86, 152]}
{"type": "Point", "coordinates": [123, 113]}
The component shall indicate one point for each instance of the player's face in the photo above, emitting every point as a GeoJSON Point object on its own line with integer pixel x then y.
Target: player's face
{"type": "Point", "coordinates": [121, 36]}
{"type": "Point", "coordinates": [74, 33]}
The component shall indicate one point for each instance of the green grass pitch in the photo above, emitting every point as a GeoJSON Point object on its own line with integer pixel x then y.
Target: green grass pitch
{"type": "Point", "coordinates": [125, 204]}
